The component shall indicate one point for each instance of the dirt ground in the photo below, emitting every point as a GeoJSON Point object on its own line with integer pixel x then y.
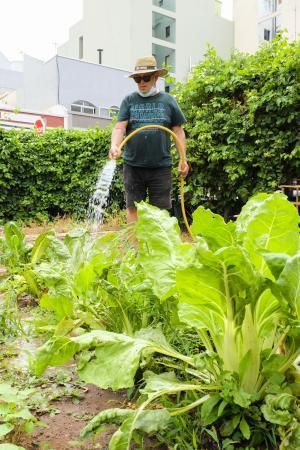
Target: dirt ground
{"type": "Point", "coordinates": [63, 429]}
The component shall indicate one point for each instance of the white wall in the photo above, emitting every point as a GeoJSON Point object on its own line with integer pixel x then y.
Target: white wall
{"type": "Point", "coordinates": [291, 18]}
{"type": "Point", "coordinates": [245, 16]}
{"type": "Point", "coordinates": [70, 49]}
{"type": "Point", "coordinates": [40, 84]}
{"type": "Point", "coordinates": [64, 81]}
{"type": "Point", "coordinates": [204, 27]}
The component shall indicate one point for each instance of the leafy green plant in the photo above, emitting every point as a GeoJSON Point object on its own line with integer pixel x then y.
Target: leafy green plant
{"type": "Point", "coordinates": [15, 416]}
{"type": "Point", "coordinates": [14, 249]}
{"type": "Point", "coordinates": [242, 125]}
{"type": "Point", "coordinates": [54, 174]}
{"type": "Point", "coordinates": [233, 287]}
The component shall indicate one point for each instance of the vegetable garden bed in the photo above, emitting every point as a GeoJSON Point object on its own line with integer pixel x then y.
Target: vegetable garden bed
{"type": "Point", "coordinates": [199, 340]}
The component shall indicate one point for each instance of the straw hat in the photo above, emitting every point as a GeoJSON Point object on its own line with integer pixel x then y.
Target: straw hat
{"type": "Point", "coordinates": [147, 64]}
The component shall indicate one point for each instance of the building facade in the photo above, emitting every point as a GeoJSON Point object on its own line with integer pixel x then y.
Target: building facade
{"type": "Point", "coordinates": [177, 32]}
{"type": "Point", "coordinates": [87, 94]}
{"type": "Point", "coordinates": [258, 21]}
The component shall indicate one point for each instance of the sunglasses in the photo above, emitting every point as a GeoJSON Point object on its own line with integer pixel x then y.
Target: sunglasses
{"type": "Point", "coordinates": [145, 78]}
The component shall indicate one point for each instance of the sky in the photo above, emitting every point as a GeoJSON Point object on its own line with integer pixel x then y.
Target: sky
{"type": "Point", "coordinates": [37, 27]}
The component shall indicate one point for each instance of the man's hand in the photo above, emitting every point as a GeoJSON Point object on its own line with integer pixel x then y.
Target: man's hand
{"type": "Point", "coordinates": [114, 152]}
{"type": "Point", "coordinates": [183, 169]}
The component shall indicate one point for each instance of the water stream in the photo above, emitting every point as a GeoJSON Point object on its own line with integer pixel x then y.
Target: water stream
{"type": "Point", "coordinates": [98, 200]}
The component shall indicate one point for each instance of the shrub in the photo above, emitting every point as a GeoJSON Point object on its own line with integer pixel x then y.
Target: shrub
{"type": "Point", "coordinates": [242, 124]}
{"type": "Point", "coordinates": [54, 174]}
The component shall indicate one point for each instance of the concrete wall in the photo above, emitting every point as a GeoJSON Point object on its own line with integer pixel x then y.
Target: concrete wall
{"type": "Point", "coordinates": [10, 79]}
{"type": "Point", "coordinates": [70, 49]}
{"type": "Point", "coordinates": [64, 81]}
{"type": "Point", "coordinates": [87, 121]}
{"type": "Point", "coordinates": [100, 85]}
{"type": "Point", "coordinates": [4, 62]}
{"type": "Point", "coordinates": [200, 26]}
{"type": "Point", "coordinates": [41, 89]}
{"type": "Point", "coordinates": [245, 16]}
{"type": "Point", "coordinates": [290, 18]}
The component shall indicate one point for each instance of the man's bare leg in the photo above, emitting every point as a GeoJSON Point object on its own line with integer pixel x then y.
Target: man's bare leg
{"type": "Point", "coordinates": [131, 215]}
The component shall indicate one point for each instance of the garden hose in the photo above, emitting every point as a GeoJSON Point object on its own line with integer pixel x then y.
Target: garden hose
{"type": "Point", "coordinates": [182, 157]}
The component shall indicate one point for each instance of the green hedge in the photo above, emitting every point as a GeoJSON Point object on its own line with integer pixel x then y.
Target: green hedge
{"type": "Point", "coordinates": [54, 174]}
{"type": "Point", "coordinates": [243, 125]}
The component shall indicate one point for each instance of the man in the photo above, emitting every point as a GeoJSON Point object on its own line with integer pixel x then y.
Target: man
{"type": "Point", "coordinates": [147, 155]}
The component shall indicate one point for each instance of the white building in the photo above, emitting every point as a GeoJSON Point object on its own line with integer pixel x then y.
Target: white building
{"type": "Point", "coordinates": [177, 32]}
{"type": "Point", "coordinates": [87, 94]}
{"type": "Point", "coordinates": [258, 21]}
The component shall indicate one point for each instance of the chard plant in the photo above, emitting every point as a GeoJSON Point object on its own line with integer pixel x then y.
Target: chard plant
{"type": "Point", "coordinates": [238, 287]}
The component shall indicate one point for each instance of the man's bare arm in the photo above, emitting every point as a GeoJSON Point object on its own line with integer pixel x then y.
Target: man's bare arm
{"type": "Point", "coordinates": [179, 131]}
{"type": "Point", "coordinates": [117, 136]}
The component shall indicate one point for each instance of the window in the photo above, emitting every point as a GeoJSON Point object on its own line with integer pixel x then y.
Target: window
{"type": "Point", "coordinates": [80, 47]}
{"type": "Point", "coordinates": [268, 28]}
{"type": "Point", "coordinates": [167, 60]}
{"type": "Point", "coordinates": [167, 88]}
{"type": "Point", "coordinates": [83, 106]}
{"type": "Point", "coordinates": [267, 34]}
{"type": "Point", "coordinates": [163, 27]}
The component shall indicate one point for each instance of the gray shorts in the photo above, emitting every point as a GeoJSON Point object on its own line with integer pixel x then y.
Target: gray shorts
{"type": "Point", "coordinates": [141, 182]}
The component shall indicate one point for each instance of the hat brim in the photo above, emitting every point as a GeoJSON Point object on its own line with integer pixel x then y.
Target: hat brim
{"type": "Point", "coordinates": [159, 72]}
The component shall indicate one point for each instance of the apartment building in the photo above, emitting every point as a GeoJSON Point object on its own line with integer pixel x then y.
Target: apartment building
{"type": "Point", "coordinates": [258, 21]}
{"type": "Point", "coordinates": [177, 32]}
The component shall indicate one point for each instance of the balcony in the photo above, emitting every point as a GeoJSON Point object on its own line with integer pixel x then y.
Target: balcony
{"type": "Point", "coordinates": [163, 27]}
{"type": "Point", "coordinates": [170, 5]}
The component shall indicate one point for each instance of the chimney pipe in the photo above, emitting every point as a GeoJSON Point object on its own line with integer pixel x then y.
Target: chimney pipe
{"type": "Point", "coordinates": [100, 50]}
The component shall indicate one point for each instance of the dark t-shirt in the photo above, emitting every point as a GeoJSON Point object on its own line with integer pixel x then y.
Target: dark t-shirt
{"type": "Point", "coordinates": [152, 147]}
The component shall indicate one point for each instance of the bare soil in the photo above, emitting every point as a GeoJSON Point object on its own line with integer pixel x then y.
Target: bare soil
{"type": "Point", "coordinates": [63, 429]}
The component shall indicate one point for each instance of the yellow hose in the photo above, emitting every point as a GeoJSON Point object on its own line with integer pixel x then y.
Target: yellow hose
{"type": "Point", "coordinates": [181, 151]}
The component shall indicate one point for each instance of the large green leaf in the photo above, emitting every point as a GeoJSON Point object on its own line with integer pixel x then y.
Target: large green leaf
{"type": "Point", "coordinates": [110, 360]}
{"type": "Point", "coordinates": [289, 284]}
{"type": "Point", "coordinates": [5, 428]}
{"type": "Point", "coordinates": [268, 222]}
{"type": "Point", "coordinates": [61, 305]}
{"type": "Point", "coordinates": [161, 251]}
{"type": "Point", "coordinates": [213, 228]}
{"type": "Point", "coordinates": [113, 416]}
{"type": "Point", "coordinates": [114, 362]}
{"type": "Point", "coordinates": [40, 245]}
{"type": "Point", "coordinates": [54, 352]}
{"type": "Point", "coordinates": [146, 421]}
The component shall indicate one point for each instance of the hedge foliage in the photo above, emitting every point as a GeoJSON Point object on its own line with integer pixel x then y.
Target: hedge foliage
{"type": "Point", "coordinates": [243, 137]}
{"type": "Point", "coordinates": [242, 124]}
{"type": "Point", "coordinates": [54, 174]}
